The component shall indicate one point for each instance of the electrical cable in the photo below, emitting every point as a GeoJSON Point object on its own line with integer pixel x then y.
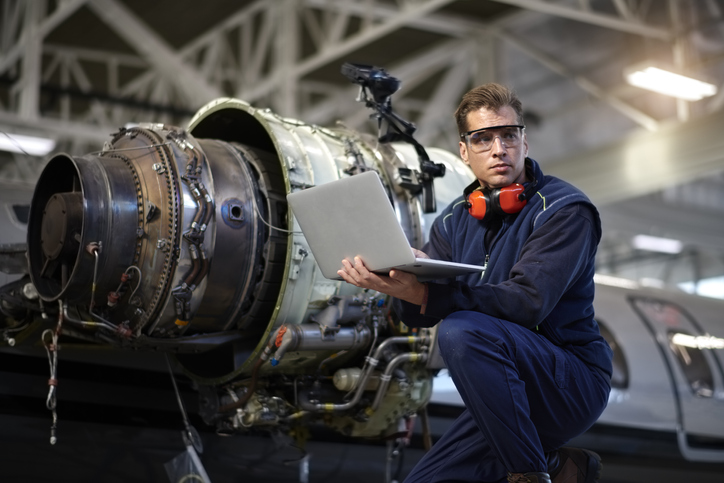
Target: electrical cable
{"type": "Point", "coordinates": [139, 280]}
{"type": "Point", "coordinates": [261, 218]}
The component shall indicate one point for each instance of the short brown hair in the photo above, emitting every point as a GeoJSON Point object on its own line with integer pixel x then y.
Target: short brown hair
{"type": "Point", "coordinates": [490, 96]}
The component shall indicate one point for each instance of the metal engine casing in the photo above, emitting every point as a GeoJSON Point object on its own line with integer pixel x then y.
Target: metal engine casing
{"type": "Point", "coordinates": [180, 240]}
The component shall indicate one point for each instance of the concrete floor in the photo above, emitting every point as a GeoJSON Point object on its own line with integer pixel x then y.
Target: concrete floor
{"type": "Point", "coordinates": [106, 453]}
{"type": "Point", "coordinates": [123, 425]}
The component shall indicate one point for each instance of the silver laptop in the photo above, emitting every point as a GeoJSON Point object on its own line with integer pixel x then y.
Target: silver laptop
{"type": "Point", "coordinates": [353, 216]}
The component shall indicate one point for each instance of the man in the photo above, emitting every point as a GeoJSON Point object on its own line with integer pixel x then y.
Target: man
{"type": "Point", "coordinates": [520, 343]}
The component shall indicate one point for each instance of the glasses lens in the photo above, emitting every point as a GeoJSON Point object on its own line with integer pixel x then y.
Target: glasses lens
{"type": "Point", "coordinates": [483, 140]}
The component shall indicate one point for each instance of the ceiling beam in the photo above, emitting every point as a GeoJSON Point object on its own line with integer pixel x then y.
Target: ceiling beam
{"type": "Point", "coordinates": [411, 72]}
{"type": "Point", "coordinates": [438, 113]}
{"type": "Point", "coordinates": [286, 53]}
{"type": "Point", "coordinates": [155, 50]}
{"type": "Point", "coordinates": [64, 10]}
{"type": "Point", "coordinates": [456, 26]}
{"type": "Point", "coordinates": [56, 128]}
{"type": "Point", "coordinates": [437, 22]}
{"type": "Point", "coordinates": [29, 84]}
{"type": "Point", "coordinates": [584, 83]}
{"type": "Point", "coordinates": [96, 55]}
{"type": "Point", "coordinates": [242, 19]}
{"type": "Point", "coordinates": [590, 17]}
{"type": "Point", "coordinates": [407, 13]}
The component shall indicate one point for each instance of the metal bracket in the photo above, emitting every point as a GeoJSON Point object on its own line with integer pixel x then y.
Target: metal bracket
{"type": "Point", "coordinates": [299, 253]}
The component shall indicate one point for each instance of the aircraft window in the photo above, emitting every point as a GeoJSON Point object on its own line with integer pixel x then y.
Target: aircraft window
{"type": "Point", "coordinates": [693, 364]}
{"type": "Point", "coordinates": [22, 213]}
{"type": "Point", "coordinates": [619, 378]}
{"type": "Point", "coordinates": [671, 318]}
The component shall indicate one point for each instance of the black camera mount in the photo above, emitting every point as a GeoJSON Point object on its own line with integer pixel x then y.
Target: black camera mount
{"type": "Point", "coordinates": [376, 89]}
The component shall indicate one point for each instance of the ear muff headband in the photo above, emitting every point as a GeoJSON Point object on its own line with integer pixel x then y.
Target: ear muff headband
{"type": "Point", "coordinates": [499, 202]}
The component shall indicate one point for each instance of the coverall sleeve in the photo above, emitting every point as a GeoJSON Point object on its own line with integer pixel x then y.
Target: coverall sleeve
{"type": "Point", "coordinates": [552, 259]}
{"type": "Point", "coordinates": [438, 248]}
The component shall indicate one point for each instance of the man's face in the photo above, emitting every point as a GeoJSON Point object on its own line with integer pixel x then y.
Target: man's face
{"type": "Point", "coordinates": [504, 163]}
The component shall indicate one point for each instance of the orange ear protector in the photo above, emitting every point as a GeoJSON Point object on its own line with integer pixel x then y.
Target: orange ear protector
{"type": "Point", "coordinates": [487, 203]}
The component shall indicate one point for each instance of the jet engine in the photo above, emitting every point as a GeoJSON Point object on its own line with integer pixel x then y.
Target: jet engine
{"type": "Point", "coordinates": [179, 240]}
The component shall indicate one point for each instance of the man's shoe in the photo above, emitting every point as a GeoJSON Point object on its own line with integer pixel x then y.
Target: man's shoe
{"type": "Point", "coordinates": [529, 478]}
{"type": "Point", "coordinates": [575, 465]}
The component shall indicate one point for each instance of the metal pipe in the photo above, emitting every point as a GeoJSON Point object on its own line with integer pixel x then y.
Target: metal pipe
{"type": "Point", "coordinates": [195, 267]}
{"type": "Point", "coordinates": [309, 337]}
{"type": "Point", "coordinates": [387, 375]}
{"type": "Point", "coordinates": [200, 210]}
{"type": "Point", "coordinates": [208, 207]}
{"type": "Point", "coordinates": [88, 323]}
{"type": "Point", "coordinates": [370, 365]}
{"type": "Point", "coordinates": [400, 340]}
{"type": "Point", "coordinates": [94, 250]}
{"type": "Point", "coordinates": [204, 267]}
{"type": "Point", "coordinates": [140, 276]}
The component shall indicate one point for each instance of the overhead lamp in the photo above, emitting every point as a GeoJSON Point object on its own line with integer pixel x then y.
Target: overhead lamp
{"type": "Point", "coordinates": [32, 145]}
{"type": "Point", "coordinates": [698, 342]}
{"type": "Point", "coordinates": [615, 281]}
{"type": "Point", "coordinates": [657, 244]}
{"type": "Point", "coordinates": [668, 83]}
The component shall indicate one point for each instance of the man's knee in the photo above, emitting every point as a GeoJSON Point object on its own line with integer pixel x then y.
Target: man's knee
{"type": "Point", "coordinates": [462, 331]}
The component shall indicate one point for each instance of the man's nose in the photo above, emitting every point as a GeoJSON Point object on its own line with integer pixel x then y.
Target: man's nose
{"type": "Point", "coordinates": [498, 147]}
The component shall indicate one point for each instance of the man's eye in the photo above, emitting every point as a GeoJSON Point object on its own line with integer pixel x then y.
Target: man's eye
{"type": "Point", "coordinates": [482, 138]}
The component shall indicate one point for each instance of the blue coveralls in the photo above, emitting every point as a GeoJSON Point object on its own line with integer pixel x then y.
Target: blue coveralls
{"type": "Point", "coordinates": [520, 344]}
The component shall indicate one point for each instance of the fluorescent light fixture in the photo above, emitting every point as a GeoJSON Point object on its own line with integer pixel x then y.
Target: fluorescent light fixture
{"type": "Point", "coordinates": [652, 282]}
{"type": "Point", "coordinates": [615, 281]}
{"type": "Point", "coordinates": [698, 342]}
{"type": "Point", "coordinates": [669, 83]}
{"type": "Point", "coordinates": [657, 244]}
{"type": "Point", "coordinates": [18, 143]}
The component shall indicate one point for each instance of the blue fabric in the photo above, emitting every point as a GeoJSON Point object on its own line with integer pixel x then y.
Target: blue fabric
{"type": "Point", "coordinates": [524, 395]}
{"type": "Point", "coordinates": [520, 342]}
{"type": "Point", "coordinates": [539, 272]}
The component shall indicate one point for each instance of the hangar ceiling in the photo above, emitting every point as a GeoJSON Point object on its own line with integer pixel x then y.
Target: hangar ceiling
{"type": "Point", "coordinates": [77, 70]}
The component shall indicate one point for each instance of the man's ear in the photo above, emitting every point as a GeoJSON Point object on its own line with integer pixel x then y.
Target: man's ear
{"type": "Point", "coordinates": [525, 143]}
{"type": "Point", "coordinates": [464, 152]}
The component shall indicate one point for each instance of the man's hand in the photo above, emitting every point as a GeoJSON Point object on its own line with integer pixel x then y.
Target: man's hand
{"type": "Point", "coordinates": [419, 254]}
{"type": "Point", "coordinates": [398, 284]}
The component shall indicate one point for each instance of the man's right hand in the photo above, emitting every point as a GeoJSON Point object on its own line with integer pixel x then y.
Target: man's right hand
{"type": "Point", "coordinates": [399, 284]}
{"type": "Point", "coordinates": [419, 254]}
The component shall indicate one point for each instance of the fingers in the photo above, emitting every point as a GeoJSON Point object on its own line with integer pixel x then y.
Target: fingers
{"type": "Point", "coordinates": [360, 267]}
{"type": "Point", "coordinates": [358, 275]}
{"type": "Point", "coordinates": [398, 284]}
{"type": "Point", "coordinates": [346, 272]}
{"type": "Point", "coordinates": [419, 254]}
{"type": "Point", "coordinates": [347, 277]}
{"type": "Point", "coordinates": [402, 277]}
